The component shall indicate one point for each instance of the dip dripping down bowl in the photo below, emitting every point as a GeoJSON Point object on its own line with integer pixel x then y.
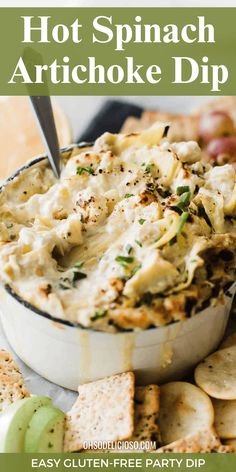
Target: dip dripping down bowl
{"type": "Point", "coordinates": [68, 354]}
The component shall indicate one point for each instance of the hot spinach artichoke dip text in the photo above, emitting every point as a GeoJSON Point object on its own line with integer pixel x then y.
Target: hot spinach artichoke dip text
{"type": "Point", "coordinates": [137, 233]}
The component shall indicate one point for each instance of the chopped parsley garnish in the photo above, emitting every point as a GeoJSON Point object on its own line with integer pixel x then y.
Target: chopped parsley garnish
{"type": "Point", "coordinates": [128, 195]}
{"type": "Point", "coordinates": [138, 243]}
{"type": "Point", "coordinates": [65, 283]}
{"type": "Point", "coordinates": [141, 221]}
{"type": "Point", "coordinates": [149, 168]}
{"type": "Point", "coordinates": [79, 265]}
{"type": "Point", "coordinates": [77, 275]}
{"type": "Point", "coordinates": [182, 221]}
{"type": "Point", "coordinates": [135, 269]}
{"type": "Point", "coordinates": [173, 241]}
{"type": "Point", "coordinates": [129, 248]}
{"type": "Point", "coordinates": [98, 314]}
{"type": "Point", "coordinates": [184, 201]}
{"type": "Point", "coordinates": [80, 170]}
{"type": "Point", "coordinates": [182, 189]}
{"type": "Point", "coordinates": [124, 260]}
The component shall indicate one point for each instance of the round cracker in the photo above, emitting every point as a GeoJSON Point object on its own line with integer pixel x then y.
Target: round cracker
{"type": "Point", "coordinates": [225, 418]}
{"type": "Point", "coordinates": [184, 409]}
{"type": "Point", "coordinates": [229, 341]}
{"type": "Point", "coordinates": [216, 374]}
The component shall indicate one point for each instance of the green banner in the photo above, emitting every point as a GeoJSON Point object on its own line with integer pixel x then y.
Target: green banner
{"type": "Point", "coordinates": [117, 51]}
{"type": "Point", "coordinates": [118, 462]}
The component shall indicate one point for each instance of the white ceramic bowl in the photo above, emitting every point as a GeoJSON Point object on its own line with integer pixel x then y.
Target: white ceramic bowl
{"type": "Point", "coordinates": [69, 355]}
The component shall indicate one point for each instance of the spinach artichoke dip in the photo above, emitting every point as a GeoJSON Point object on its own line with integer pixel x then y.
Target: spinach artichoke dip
{"type": "Point", "coordinates": [136, 233]}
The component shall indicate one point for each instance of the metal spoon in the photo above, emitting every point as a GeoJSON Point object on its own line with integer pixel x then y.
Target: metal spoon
{"type": "Point", "coordinates": [43, 110]}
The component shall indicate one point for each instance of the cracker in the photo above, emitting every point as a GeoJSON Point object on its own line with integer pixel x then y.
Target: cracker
{"type": "Point", "coordinates": [216, 375]}
{"type": "Point", "coordinates": [184, 409]}
{"type": "Point", "coordinates": [225, 418]}
{"type": "Point", "coordinates": [146, 409]}
{"type": "Point", "coordinates": [229, 341]}
{"type": "Point", "coordinates": [203, 441]}
{"type": "Point", "coordinates": [103, 411]}
{"type": "Point", "coordinates": [183, 127]}
{"type": "Point", "coordinates": [12, 387]}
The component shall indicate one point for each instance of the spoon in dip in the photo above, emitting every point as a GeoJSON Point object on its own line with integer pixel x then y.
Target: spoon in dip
{"type": "Point", "coordinates": [43, 110]}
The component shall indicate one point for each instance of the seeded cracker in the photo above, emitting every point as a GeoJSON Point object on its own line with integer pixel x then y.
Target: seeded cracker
{"type": "Point", "coordinates": [147, 404]}
{"type": "Point", "coordinates": [103, 411]}
{"type": "Point", "coordinates": [12, 387]}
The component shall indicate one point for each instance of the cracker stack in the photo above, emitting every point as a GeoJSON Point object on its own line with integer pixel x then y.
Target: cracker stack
{"type": "Point", "coordinates": [12, 387]}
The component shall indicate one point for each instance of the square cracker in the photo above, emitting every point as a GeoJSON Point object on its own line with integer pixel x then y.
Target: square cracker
{"type": "Point", "coordinates": [103, 411]}
{"type": "Point", "coordinates": [12, 387]}
{"type": "Point", "coordinates": [147, 405]}
{"type": "Point", "coordinates": [146, 409]}
{"type": "Point", "coordinates": [203, 441]}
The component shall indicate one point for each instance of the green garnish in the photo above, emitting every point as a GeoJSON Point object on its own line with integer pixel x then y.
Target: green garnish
{"type": "Point", "coordinates": [182, 189]}
{"type": "Point", "coordinates": [77, 275]}
{"type": "Point", "coordinates": [173, 241]}
{"type": "Point", "coordinates": [98, 314]}
{"type": "Point", "coordinates": [65, 283]}
{"type": "Point", "coordinates": [128, 195]}
{"type": "Point", "coordinates": [184, 201]}
{"type": "Point", "coordinates": [141, 221]}
{"type": "Point", "coordinates": [149, 168]}
{"type": "Point", "coordinates": [124, 260]}
{"type": "Point", "coordinates": [182, 221]}
{"type": "Point", "coordinates": [80, 170]}
{"type": "Point", "coordinates": [9, 225]}
{"type": "Point", "coordinates": [138, 243]}
{"type": "Point", "coordinates": [135, 269]}
{"type": "Point", "coordinates": [79, 265]}
{"type": "Point", "coordinates": [157, 239]}
{"type": "Point", "coordinates": [129, 248]}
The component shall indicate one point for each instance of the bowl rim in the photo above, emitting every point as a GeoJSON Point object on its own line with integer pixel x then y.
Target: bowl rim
{"type": "Point", "coordinates": [28, 305]}
{"type": "Point", "coordinates": [8, 288]}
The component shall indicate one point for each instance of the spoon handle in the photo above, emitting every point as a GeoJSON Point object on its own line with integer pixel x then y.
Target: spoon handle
{"type": "Point", "coordinates": [43, 110]}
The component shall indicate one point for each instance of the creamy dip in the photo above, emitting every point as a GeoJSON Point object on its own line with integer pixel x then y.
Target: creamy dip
{"type": "Point", "coordinates": [136, 233]}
